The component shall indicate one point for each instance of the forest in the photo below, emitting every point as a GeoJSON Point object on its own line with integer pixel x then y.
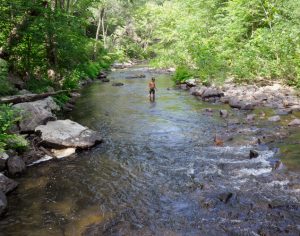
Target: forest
{"type": "Point", "coordinates": [49, 45]}
{"type": "Point", "coordinates": [149, 117]}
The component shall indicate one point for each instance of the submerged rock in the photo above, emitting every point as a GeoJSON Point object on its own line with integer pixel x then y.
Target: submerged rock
{"type": "Point", "coordinates": [67, 133]}
{"type": "Point", "coordinates": [16, 165]}
{"type": "Point", "coordinates": [274, 118]}
{"type": "Point", "coordinates": [3, 203]}
{"type": "Point", "coordinates": [61, 153]}
{"type": "Point", "coordinates": [224, 113]}
{"type": "Point", "coordinates": [36, 113]}
{"type": "Point", "coordinates": [7, 185]}
{"type": "Point", "coordinates": [250, 117]}
{"type": "Point", "coordinates": [117, 84]}
{"type": "Point", "coordinates": [139, 76]}
{"type": "Point", "coordinates": [253, 154]}
{"type": "Point", "coordinates": [225, 197]}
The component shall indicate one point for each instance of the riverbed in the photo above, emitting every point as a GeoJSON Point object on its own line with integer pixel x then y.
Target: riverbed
{"type": "Point", "coordinates": [158, 172]}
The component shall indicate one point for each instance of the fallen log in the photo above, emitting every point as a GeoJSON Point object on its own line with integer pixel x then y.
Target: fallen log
{"type": "Point", "coordinates": [29, 97]}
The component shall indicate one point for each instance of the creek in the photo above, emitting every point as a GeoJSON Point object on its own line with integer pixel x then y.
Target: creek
{"type": "Point", "coordinates": [158, 172]}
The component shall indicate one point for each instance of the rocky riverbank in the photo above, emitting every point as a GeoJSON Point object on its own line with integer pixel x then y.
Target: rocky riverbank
{"type": "Point", "coordinates": [282, 99]}
{"type": "Point", "coordinates": [47, 136]}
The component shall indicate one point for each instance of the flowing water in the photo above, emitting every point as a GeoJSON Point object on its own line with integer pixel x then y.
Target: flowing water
{"type": "Point", "coordinates": [157, 173]}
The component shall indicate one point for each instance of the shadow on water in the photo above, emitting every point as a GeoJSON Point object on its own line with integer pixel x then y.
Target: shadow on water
{"type": "Point", "coordinates": [158, 173]}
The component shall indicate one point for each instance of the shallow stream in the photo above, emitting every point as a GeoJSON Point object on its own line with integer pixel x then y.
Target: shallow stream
{"type": "Point", "coordinates": [157, 173]}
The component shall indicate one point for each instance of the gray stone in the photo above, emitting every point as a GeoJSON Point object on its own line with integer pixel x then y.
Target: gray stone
{"type": "Point", "coordinates": [237, 103]}
{"type": "Point", "coordinates": [16, 165]}
{"type": "Point", "coordinates": [3, 203]}
{"type": "Point", "coordinates": [295, 122]}
{"type": "Point", "coordinates": [250, 117]}
{"type": "Point", "coordinates": [284, 112]}
{"type": "Point", "coordinates": [7, 185]}
{"type": "Point", "coordinates": [191, 82]}
{"type": "Point", "coordinates": [199, 91]}
{"type": "Point", "coordinates": [67, 133]}
{"type": "Point", "coordinates": [211, 92]}
{"type": "Point", "coordinates": [36, 113]}
{"type": "Point", "coordinates": [274, 118]}
{"type": "Point", "coordinates": [224, 113]}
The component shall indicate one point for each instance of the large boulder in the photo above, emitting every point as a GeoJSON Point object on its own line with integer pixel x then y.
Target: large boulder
{"type": "Point", "coordinates": [7, 185]}
{"type": "Point", "coordinates": [36, 113]}
{"type": "Point", "coordinates": [3, 202]}
{"type": "Point", "coordinates": [16, 165]}
{"type": "Point", "coordinates": [67, 133]}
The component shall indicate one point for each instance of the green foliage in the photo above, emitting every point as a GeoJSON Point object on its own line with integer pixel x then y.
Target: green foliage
{"type": "Point", "coordinates": [182, 74]}
{"type": "Point", "coordinates": [61, 99]}
{"type": "Point", "coordinates": [5, 87]}
{"type": "Point", "coordinates": [244, 39]}
{"type": "Point", "coordinates": [39, 85]}
{"type": "Point", "coordinates": [8, 118]}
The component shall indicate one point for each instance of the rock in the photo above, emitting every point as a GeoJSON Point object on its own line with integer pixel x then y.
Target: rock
{"type": "Point", "coordinates": [3, 203]}
{"type": "Point", "coordinates": [140, 76]}
{"type": "Point", "coordinates": [237, 103]}
{"type": "Point", "coordinates": [67, 133]}
{"type": "Point", "coordinates": [16, 165]}
{"type": "Point", "coordinates": [224, 113]}
{"type": "Point", "coordinates": [106, 80]}
{"type": "Point", "coordinates": [253, 154]}
{"type": "Point", "coordinates": [274, 118]}
{"type": "Point", "coordinates": [225, 99]}
{"type": "Point", "coordinates": [250, 117]}
{"type": "Point", "coordinates": [124, 65]}
{"type": "Point", "coordinates": [295, 108]}
{"type": "Point", "coordinates": [199, 91]}
{"type": "Point", "coordinates": [191, 82]}
{"type": "Point", "coordinates": [36, 113]}
{"type": "Point", "coordinates": [278, 165]}
{"type": "Point", "coordinates": [208, 110]}
{"type": "Point", "coordinates": [102, 75]}
{"type": "Point", "coordinates": [184, 87]}
{"type": "Point", "coordinates": [2, 164]}
{"type": "Point", "coordinates": [284, 112]}
{"type": "Point", "coordinates": [295, 122]}
{"type": "Point", "coordinates": [117, 84]}
{"type": "Point", "coordinates": [7, 185]}
{"type": "Point", "coordinates": [61, 153]}
{"type": "Point", "coordinates": [225, 197]}
{"type": "Point", "coordinates": [211, 92]}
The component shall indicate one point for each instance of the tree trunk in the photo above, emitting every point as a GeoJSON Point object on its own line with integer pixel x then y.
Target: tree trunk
{"type": "Point", "coordinates": [97, 34]}
{"type": "Point", "coordinates": [29, 97]}
{"type": "Point", "coordinates": [103, 28]}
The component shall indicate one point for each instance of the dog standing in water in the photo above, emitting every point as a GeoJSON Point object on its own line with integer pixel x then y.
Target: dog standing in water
{"type": "Point", "coordinates": [152, 88]}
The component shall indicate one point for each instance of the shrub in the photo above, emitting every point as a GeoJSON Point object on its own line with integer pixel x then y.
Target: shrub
{"type": "Point", "coordinates": [182, 73]}
{"type": "Point", "coordinates": [8, 118]}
